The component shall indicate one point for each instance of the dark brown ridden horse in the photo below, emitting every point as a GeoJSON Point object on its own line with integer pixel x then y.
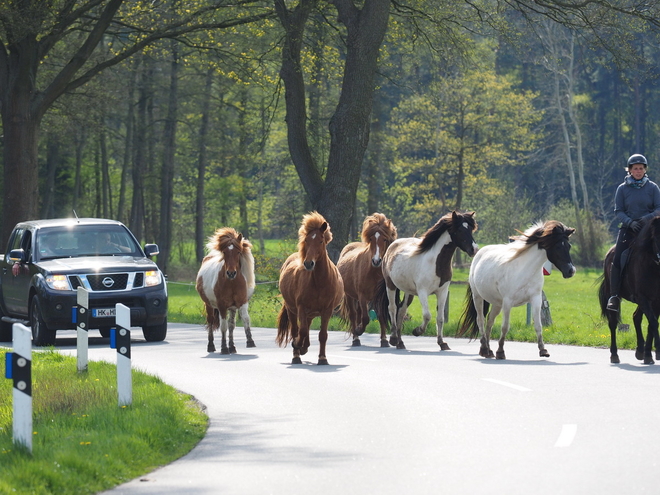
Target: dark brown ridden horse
{"type": "Point", "coordinates": [640, 284]}
{"type": "Point", "coordinates": [225, 282]}
{"type": "Point", "coordinates": [360, 268]}
{"type": "Point", "coordinates": [311, 286]}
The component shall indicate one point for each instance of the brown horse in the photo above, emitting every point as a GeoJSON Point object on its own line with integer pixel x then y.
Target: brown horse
{"type": "Point", "coordinates": [225, 282]}
{"type": "Point", "coordinates": [311, 286]}
{"type": "Point", "coordinates": [360, 268]}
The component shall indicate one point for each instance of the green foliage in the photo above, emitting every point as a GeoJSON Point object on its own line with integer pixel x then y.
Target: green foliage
{"type": "Point", "coordinates": [83, 441]}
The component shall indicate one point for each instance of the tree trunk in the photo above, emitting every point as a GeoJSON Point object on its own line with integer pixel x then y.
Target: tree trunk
{"type": "Point", "coordinates": [167, 172]}
{"type": "Point", "coordinates": [52, 160]}
{"type": "Point", "coordinates": [200, 243]}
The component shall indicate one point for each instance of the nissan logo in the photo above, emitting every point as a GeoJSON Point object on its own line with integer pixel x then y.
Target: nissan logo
{"type": "Point", "coordinates": [108, 282]}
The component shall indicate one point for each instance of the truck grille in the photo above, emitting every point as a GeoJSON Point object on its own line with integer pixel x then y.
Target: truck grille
{"type": "Point", "coordinates": [102, 282]}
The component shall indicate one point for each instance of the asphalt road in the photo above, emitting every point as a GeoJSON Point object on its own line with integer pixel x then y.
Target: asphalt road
{"type": "Point", "coordinates": [420, 421]}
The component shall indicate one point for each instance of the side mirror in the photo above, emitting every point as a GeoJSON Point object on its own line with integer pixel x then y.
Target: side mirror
{"type": "Point", "coordinates": [151, 250]}
{"type": "Point", "coordinates": [17, 255]}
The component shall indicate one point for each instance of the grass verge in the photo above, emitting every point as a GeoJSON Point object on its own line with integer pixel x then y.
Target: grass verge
{"type": "Point", "coordinates": [83, 441]}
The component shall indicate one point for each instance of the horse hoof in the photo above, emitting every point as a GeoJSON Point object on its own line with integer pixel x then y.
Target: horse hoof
{"type": "Point", "coordinates": [210, 348]}
{"type": "Point", "coordinates": [614, 359]}
{"type": "Point", "coordinates": [394, 340]}
{"type": "Point", "coordinates": [296, 360]}
{"type": "Point", "coordinates": [639, 355]}
{"type": "Point", "coordinates": [544, 353]}
{"type": "Point", "coordinates": [383, 343]}
{"type": "Point", "coordinates": [400, 345]}
{"type": "Point", "coordinates": [649, 360]}
{"type": "Point", "coordinates": [444, 347]}
{"type": "Point", "coordinates": [323, 361]}
{"type": "Point", "coordinates": [485, 352]}
{"type": "Point", "coordinates": [356, 343]}
{"type": "Point", "coordinates": [224, 350]}
{"type": "Point", "coordinates": [250, 343]}
{"type": "Point", "coordinates": [232, 349]}
{"type": "Point", "coordinates": [417, 332]}
{"type": "Point", "coordinates": [500, 355]}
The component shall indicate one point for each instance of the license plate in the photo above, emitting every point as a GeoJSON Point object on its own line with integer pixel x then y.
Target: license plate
{"type": "Point", "coordinates": [104, 312]}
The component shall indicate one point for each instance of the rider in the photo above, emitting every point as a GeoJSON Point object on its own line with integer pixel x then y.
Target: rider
{"type": "Point", "coordinates": [637, 199]}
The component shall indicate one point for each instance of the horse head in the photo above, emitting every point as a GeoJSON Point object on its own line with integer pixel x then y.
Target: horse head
{"type": "Point", "coordinates": [553, 237]}
{"type": "Point", "coordinates": [460, 230]}
{"type": "Point", "coordinates": [313, 237]}
{"type": "Point", "coordinates": [379, 232]}
{"type": "Point", "coordinates": [231, 254]}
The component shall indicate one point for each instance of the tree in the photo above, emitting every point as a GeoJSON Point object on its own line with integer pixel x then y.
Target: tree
{"type": "Point", "coordinates": [68, 34]}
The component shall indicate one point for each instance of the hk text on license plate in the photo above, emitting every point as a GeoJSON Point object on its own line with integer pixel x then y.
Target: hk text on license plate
{"type": "Point", "coordinates": [103, 312]}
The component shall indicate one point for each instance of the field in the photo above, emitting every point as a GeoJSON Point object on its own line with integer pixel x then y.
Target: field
{"type": "Point", "coordinates": [573, 303]}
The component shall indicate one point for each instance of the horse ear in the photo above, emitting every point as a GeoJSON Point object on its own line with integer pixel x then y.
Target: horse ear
{"type": "Point", "coordinates": [240, 238]}
{"type": "Point", "coordinates": [323, 227]}
{"type": "Point", "coordinates": [570, 231]}
{"type": "Point", "coordinates": [470, 213]}
{"type": "Point", "coordinates": [454, 216]}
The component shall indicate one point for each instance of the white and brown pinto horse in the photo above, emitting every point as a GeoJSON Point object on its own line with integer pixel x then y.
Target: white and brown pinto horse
{"type": "Point", "coordinates": [503, 276]}
{"type": "Point", "coordinates": [360, 268]}
{"type": "Point", "coordinates": [225, 282]}
{"type": "Point", "coordinates": [421, 267]}
{"type": "Point", "coordinates": [311, 286]}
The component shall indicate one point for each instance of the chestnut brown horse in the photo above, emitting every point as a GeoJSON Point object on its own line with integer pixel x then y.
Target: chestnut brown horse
{"type": "Point", "coordinates": [311, 286]}
{"type": "Point", "coordinates": [225, 282]}
{"type": "Point", "coordinates": [360, 268]}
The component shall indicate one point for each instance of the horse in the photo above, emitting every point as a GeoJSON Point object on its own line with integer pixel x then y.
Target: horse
{"type": "Point", "coordinates": [640, 284]}
{"type": "Point", "coordinates": [225, 283]}
{"type": "Point", "coordinates": [311, 286]}
{"type": "Point", "coordinates": [509, 275]}
{"type": "Point", "coordinates": [360, 268]}
{"type": "Point", "coordinates": [407, 268]}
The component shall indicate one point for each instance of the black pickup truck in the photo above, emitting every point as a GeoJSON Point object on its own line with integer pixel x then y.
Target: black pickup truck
{"type": "Point", "coordinates": [47, 260]}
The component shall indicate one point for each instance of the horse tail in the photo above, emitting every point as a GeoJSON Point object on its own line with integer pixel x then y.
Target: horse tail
{"type": "Point", "coordinates": [467, 323]}
{"type": "Point", "coordinates": [381, 303]}
{"type": "Point", "coordinates": [283, 327]}
{"type": "Point", "coordinates": [344, 313]}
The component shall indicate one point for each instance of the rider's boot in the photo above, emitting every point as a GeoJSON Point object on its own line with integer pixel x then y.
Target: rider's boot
{"type": "Point", "coordinates": [614, 302]}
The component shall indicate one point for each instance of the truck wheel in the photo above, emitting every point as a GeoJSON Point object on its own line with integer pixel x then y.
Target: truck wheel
{"type": "Point", "coordinates": [155, 333]}
{"type": "Point", "coordinates": [105, 332]}
{"type": "Point", "coordinates": [41, 335]}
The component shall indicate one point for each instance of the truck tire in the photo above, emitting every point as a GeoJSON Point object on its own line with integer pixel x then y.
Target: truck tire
{"type": "Point", "coordinates": [41, 334]}
{"type": "Point", "coordinates": [155, 333]}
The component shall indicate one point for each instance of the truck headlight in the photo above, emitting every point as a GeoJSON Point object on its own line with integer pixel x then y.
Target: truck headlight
{"type": "Point", "coordinates": [58, 282]}
{"type": "Point", "coordinates": [152, 278]}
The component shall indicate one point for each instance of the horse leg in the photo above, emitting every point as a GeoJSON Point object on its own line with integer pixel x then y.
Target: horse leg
{"type": "Point", "coordinates": [506, 314]}
{"type": "Point", "coordinates": [211, 326]}
{"type": "Point", "coordinates": [391, 308]}
{"type": "Point", "coordinates": [440, 316]}
{"type": "Point", "coordinates": [652, 331]}
{"type": "Point", "coordinates": [612, 321]}
{"type": "Point", "coordinates": [490, 321]}
{"type": "Point", "coordinates": [638, 315]}
{"type": "Point", "coordinates": [245, 317]}
{"type": "Point", "coordinates": [295, 335]}
{"type": "Point", "coordinates": [401, 313]}
{"type": "Point", "coordinates": [536, 311]}
{"type": "Point", "coordinates": [426, 314]}
{"type": "Point", "coordinates": [383, 334]}
{"type": "Point", "coordinates": [362, 315]}
{"type": "Point", "coordinates": [223, 329]}
{"type": "Point", "coordinates": [354, 319]}
{"type": "Point", "coordinates": [323, 337]}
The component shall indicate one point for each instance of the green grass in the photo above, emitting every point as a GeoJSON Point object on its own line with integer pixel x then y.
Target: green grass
{"type": "Point", "coordinates": [573, 306]}
{"type": "Point", "coordinates": [83, 441]}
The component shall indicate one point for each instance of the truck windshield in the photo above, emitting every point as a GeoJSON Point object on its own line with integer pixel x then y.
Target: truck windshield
{"type": "Point", "coordinates": [85, 240]}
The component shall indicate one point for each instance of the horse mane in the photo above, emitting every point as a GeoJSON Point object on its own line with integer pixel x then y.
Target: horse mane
{"type": "Point", "coordinates": [312, 221]}
{"type": "Point", "coordinates": [222, 239]}
{"type": "Point", "coordinates": [541, 234]}
{"type": "Point", "coordinates": [445, 224]}
{"type": "Point", "coordinates": [378, 223]}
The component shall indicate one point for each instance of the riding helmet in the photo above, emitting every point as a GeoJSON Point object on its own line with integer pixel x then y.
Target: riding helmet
{"type": "Point", "coordinates": [637, 158]}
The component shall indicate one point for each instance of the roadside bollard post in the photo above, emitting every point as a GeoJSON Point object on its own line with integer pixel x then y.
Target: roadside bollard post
{"type": "Point", "coordinates": [19, 369]}
{"type": "Point", "coordinates": [121, 340]}
{"type": "Point", "coordinates": [82, 321]}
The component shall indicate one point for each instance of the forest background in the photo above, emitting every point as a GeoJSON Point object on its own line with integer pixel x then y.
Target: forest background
{"type": "Point", "coordinates": [179, 117]}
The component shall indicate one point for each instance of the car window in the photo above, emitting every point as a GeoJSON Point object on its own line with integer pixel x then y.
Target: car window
{"type": "Point", "coordinates": [86, 240]}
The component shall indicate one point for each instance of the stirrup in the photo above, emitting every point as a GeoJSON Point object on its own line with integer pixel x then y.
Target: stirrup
{"type": "Point", "coordinates": [613, 303]}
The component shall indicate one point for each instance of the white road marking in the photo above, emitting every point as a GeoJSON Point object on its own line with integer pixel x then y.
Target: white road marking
{"type": "Point", "coordinates": [566, 436]}
{"type": "Point", "coordinates": [510, 385]}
